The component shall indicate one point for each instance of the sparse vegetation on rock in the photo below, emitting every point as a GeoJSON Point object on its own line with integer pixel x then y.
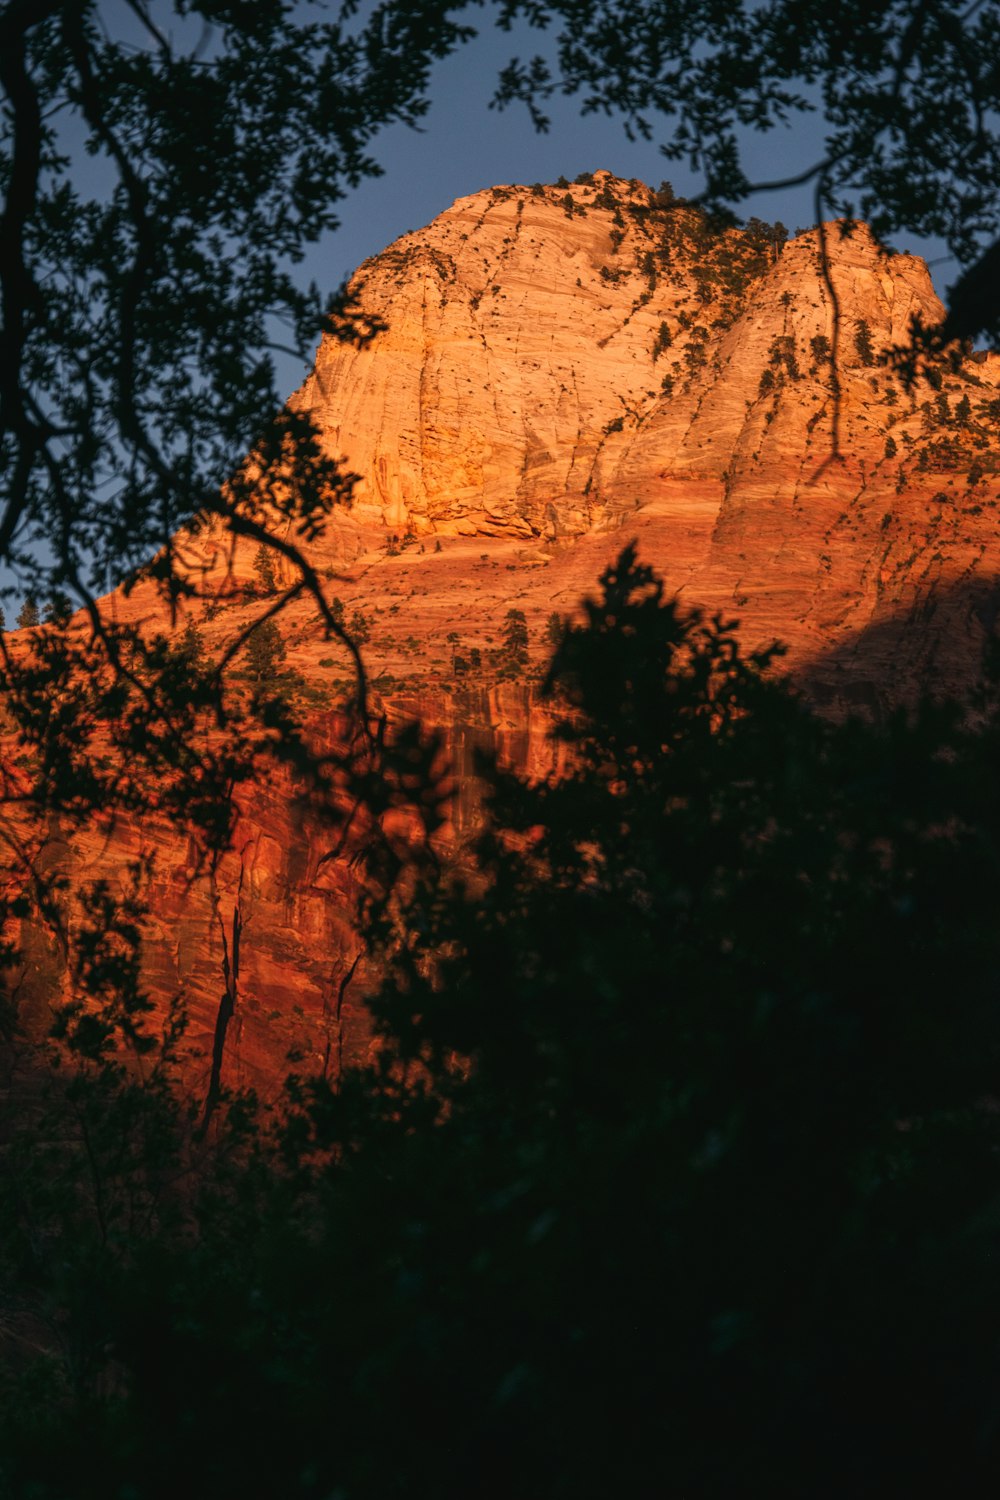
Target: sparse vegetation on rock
{"type": "Point", "coordinates": [359, 627]}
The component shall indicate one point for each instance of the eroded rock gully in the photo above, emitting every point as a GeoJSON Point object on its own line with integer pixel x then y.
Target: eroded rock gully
{"type": "Point", "coordinates": [565, 369]}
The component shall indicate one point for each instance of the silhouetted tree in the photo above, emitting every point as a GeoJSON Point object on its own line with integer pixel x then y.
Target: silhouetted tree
{"type": "Point", "coordinates": [58, 609]}
{"type": "Point", "coordinates": [266, 651]}
{"type": "Point", "coordinates": [28, 616]}
{"type": "Point", "coordinates": [696, 1049]}
{"type": "Point", "coordinates": [555, 627]}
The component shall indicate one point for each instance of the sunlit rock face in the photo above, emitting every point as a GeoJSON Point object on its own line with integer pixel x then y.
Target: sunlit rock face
{"type": "Point", "coordinates": [564, 370]}
{"type": "Point", "coordinates": [562, 362]}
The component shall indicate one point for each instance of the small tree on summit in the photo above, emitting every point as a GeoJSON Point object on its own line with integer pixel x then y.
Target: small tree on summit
{"type": "Point", "coordinates": [28, 617]}
{"type": "Point", "coordinates": [770, 237]}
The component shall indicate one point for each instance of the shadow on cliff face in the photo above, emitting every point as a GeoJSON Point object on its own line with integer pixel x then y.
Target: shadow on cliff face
{"type": "Point", "coordinates": [935, 648]}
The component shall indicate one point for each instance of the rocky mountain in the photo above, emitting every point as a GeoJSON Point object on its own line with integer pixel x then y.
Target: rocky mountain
{"type": "Point", "coordinates": [562, 369]}
{"type": "Point", "coordinates": [563, 362]}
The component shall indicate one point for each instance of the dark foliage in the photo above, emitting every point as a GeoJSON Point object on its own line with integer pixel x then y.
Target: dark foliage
{"type": "Point", "coordinates": [677, 1171]}
{"type": "Point", "coordinates": [265, 651]}
{"type": "Point", "coordinates": [28, 616]}
{"type": "Point", "coordinates": [863, 343]}
{"type": "Point", "coordinates": [263, 566]}
{"type": "Point", "coordinates": [228, 138]}
{"type": "Point", "coordinates": [514, 647]}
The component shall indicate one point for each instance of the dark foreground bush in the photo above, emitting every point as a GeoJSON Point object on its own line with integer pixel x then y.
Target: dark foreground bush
{"type": "Point", "coordinates": [678, 1174]}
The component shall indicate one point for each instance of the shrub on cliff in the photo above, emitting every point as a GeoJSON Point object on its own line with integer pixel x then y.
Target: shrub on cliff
{"type": "Point", "coordinates": [263, 566]}
{"type": "Point", "coordinates": [359, 627]}
{"type": "Point", "coordinates": [266, 651]}
{"type": "Point", "coordinates": [514, 642]}
{"type": "Point", "coordinates": [555, 627]}
{"type": "Point", "coordinates": [863, 342]}
{"type": "Point", "coordinates": [821, 350]}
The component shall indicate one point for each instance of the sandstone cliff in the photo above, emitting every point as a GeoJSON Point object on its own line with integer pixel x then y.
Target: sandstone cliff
{"type": "Point", "coordinates": [563, 369]}
{"type": "Point", "coordinates": [562, 362]}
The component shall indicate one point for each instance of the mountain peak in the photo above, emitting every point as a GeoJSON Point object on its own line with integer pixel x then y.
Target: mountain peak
{"type": "Point", "coordinates": [552, 352]}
